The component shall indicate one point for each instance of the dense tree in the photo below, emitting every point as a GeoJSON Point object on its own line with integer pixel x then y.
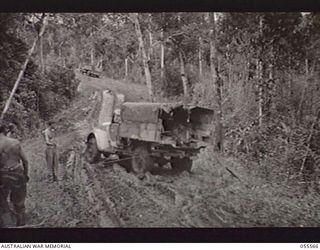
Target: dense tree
{"type": "Point", "coordinates": [25, 108]}
{"type": "Point", "coordinates": [145, 59]}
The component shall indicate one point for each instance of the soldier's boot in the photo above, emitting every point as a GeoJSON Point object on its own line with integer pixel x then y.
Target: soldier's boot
{"type": "Point", "coordinates": [21, 218]}
{"type": "Point", "coordinates": [20, 213]}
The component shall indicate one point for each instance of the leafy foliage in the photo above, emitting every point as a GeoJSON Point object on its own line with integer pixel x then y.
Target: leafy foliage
{"type": "Point", "coordinates": [39, 96]}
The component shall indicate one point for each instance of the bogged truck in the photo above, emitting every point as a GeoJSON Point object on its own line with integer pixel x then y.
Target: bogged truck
{"type": "Point", "coordinates": [146, 135]}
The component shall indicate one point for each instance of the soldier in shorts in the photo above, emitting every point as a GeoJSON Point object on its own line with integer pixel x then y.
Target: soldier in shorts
{"type": "Point", "coordinates": [13, 177]}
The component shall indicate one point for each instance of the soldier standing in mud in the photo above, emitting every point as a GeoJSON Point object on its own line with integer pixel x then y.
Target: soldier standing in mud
{"type": "Point", "coordinates": [13, 178]}
{"type": "Point", "coordinates": [51, 151]}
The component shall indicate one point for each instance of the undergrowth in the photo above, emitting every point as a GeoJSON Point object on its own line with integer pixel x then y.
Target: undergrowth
{"type": "Point", "coordinates": [250, 200]}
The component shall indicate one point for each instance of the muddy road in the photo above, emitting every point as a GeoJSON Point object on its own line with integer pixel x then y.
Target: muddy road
{"type": "Point", "coordinates": [104, 194]}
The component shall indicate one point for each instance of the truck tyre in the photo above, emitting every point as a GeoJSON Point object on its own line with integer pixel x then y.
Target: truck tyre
{"type": "Point", "coordinates": [127, 164]}
{"type": "Point", "coordinates": [160, 161]}
{"type": "Point", "coordinates": [181, 164]}
{"type": "Point", "coordinates": [92, 153]}
{"type": "Point", "coordinates": [141, 161]}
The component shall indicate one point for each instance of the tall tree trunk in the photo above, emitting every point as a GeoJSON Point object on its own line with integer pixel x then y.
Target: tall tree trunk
{"type": "Point", "coordinates": [41, 55]}
{"type": "Point", "coordinates": [200, 57]}
{"type": "Point", "coordinates": [135, 18]}
{"type": "Point", "coordinates": [299, 111]}
{"type": "Point", "coordinates": [213, 50]}
{"type": "Point", "coordinates": [150, 46]}
{"type": "Point", "coordinates": [60, 53]}
{"type": "Point", "coordinates": [42, 68]}
{"type": "Point", "coordinates": [162, 55]}
{"type": "Point", "coordinates": [215, 80]}
{"type": "Point", "coordinates": [260, 77]}
{"type": "Point", "coordinates": [229, 67]}
{"type": "Point", "coordinates": [162, 48]}
{"type": "Point", "coordinates": [16, 84]}
{"type": "Point", "coordinates": [42, 72]}
{"type": "Point", "coordinates": [307, 67]}
{"type": "Point", "coordinates": [229, 76]}
{"type": "Point", "coordinates": [270, 87]}
{"type": "Point", "coordinates": [260, 92]}
{"type": "Point", "coordinates": [246, 77]}
{"type": "Point", "coordinates": [269, 93]}
{"type": "Point", "coordinates": [150, 38]}
{"type": "Point", "coordinates": [289, 92]}
{"type": "Point", "coordinates": [92, 59]}
{"type": "Point", "coordinates": [126, 67]}
{"type": "Point", "coordinates": [183, 77]}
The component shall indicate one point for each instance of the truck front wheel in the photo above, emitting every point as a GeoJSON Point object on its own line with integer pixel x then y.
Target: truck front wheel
{"type": "Point", "coordinates": [92, 154]}
{"type": "Point", "coordinates": [181, 164]}
{"type": "Point", "coordinates": [125, 162]}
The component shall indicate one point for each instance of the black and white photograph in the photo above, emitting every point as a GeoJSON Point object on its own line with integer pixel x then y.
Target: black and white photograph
{"type": "Point", "coordinates": [159, 120]}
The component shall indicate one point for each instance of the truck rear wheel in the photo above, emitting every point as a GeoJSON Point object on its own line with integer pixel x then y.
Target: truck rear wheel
{"type": "Point", "coordinates": [141, 161]}
{"type": "Point", "coordinates": [181, 164]}
{"type": "Point", "coordinates": [92, 153]}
